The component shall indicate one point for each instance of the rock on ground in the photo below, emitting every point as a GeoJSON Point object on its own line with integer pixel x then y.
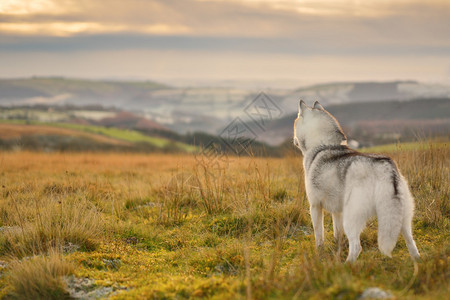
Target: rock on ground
{"type": "Point", "coordinates": [85, 288]}
{"type": "Point", "coordinates": [375, 293]}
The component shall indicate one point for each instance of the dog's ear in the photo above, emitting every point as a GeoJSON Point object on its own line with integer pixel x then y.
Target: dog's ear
{"type": "Point", "coordinates": [317, 105]}
{"type": "Point", "coordinates": [302, 107]}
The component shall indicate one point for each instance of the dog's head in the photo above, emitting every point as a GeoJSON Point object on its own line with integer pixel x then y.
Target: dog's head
{"type": "Point", "coordinates": [315, 126]}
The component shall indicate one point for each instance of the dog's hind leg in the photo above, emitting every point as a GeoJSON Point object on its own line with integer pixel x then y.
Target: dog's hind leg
{"type": "Point", "coordinates": [317, 220]}
{"type": "Point", "coordinates": [338, 231]}
{"type": "Point", "coordinates": [354, 219]}
{"type": "Point", "coordinates": [353, 230]}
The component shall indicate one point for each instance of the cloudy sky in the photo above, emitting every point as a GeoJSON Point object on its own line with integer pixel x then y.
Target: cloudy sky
{"type": "Point", "coordinates": [206, 40]}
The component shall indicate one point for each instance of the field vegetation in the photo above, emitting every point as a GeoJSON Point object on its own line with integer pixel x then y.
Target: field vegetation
{"type": "Point", "coordinates": [34, 135]}
{"type": "Point", "coordinates": [157, 226]}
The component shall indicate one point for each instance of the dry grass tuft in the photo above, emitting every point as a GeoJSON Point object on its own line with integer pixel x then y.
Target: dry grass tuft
{"type": "Point", "coordinates": [40, 277]}
{"type": "Point", "coordinates": [47, 223]}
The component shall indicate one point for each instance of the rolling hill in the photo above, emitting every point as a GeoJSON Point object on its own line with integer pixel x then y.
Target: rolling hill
{"type": "Point", "coordinates": [191, 109]}
{"type": "Point", "coordinates": [371, 112]}
{"type": "Point", "coordinates": [60, 91]}
{"type": "Point", "coordinates": [372, 123]}
{"type": "Point", "coordinates": [32, 135]}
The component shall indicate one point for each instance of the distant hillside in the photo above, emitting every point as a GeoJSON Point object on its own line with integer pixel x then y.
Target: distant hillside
{"type": "Point", "coordinates": [59, 91]}
{"type": "Point", "coordinates": [377, 123]}
{"type": "Point", "coordinates": [32, 135]}
{"type": "Point", "coordinates": [127, 120]}
{"type": "Point", "coordinates": [98, 116]}
{"type": "Point", "coordinates": [192, 109]}
{"type": "Point", "coordinates": [357, 92]}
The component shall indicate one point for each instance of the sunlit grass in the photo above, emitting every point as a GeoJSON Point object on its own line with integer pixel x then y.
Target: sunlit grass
{"type": "Point", "coordinates": [40, 277]}
{"type": "Point", "coordinates": [437, 143]}
{"type": "Point", "coordinates": [112, 132]}
{"type": "Point", "coordinates": [164, 226]}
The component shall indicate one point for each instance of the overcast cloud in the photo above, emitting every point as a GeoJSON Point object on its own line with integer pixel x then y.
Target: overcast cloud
{"type": "Point", "coordinates": [213, 39]}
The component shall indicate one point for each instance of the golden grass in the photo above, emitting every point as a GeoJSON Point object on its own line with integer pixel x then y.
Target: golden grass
{"type": "Point", "coordinates": [183, 229]}
{"type": "Point", "coordinates": [36, 225]}
{"type": "Point", "coordinates": [40, 277]}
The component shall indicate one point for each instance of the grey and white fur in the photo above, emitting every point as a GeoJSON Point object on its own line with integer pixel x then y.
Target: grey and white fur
{"type": "Point", "coordinates": [352, 186]}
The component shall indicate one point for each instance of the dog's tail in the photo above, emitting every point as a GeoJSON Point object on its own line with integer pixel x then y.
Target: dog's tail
{"type": "Point", "coordinates": [390, 209]}
{"type": "Point", "coordinates": [394, 212]}
{"type": "Point", "coordinates": [408, 212]}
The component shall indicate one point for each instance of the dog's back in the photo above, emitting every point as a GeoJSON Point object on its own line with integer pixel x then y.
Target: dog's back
{"type": "Point", "coordinates": [337, 160]}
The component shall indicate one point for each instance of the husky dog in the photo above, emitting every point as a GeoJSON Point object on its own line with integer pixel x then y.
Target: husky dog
{"type": "Point", "coordinates": [352, 186]}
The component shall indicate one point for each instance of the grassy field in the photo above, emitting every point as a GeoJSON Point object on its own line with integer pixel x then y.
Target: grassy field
{"type": "Point", "coordinates": [14, 131]}
{"type": "Point", "coordinates": [124, 135]}
{"type": "Point", "coordinates": [98, 133]}
{"type": "Point", "coordinates": [156, 226]}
